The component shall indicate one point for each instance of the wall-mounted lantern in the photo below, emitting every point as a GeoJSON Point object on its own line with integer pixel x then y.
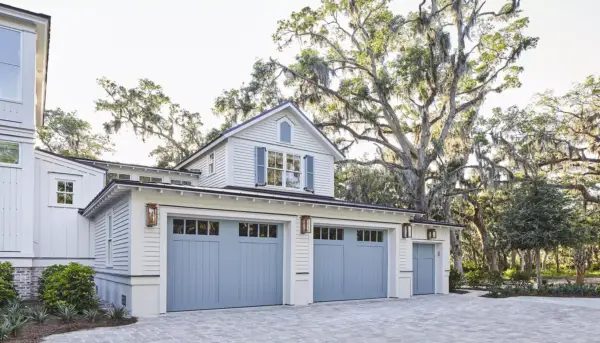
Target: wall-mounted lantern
{"type": "Point", "coordinates": [305, 224]}
{"type": "Point", "coordinates": [431, 234]}
{"type": "Point", "coordinates": [406, 230]}
{"type": "Point", "coordinates": [151, 215]}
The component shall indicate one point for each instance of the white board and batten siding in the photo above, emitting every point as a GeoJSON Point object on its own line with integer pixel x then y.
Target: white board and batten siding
{"type": "Point", "coordinates": [60, 232]}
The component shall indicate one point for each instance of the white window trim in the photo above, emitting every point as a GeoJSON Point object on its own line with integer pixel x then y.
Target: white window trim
{"type": "Point", "coordinates": [281, 120]}
{"type": "Point", "coordinates": [211, 162]}
{"type": "Point", "coordinates": [284, 170]}
{"type": "Point", "coordinates": [13, 165]}
{"type": "Point", "coordinates": [110, 220]}
{"type": "Point", "coordinates": [19, 99]}
{"type": "Point", "coordinates": [56, 191]}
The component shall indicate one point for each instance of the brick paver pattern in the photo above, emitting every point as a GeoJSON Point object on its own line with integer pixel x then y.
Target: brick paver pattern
{"type": "Point", "coordinates": [436, 318]}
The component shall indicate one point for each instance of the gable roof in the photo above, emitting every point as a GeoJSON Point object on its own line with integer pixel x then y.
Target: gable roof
{"type": "Point", "coordinates": [68, 158]}
{"type": "Point", "coordinates": [338, 155]}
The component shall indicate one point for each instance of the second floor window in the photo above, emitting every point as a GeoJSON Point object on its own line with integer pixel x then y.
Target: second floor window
{"type": "Point", "coordinates": [181, 182]}
{"type": "Point", "coordinates": [211, 163]}
{"type": "Point", "coordinates": [64, 192]}
{"type": "Point", "coordinates": [9, 152]}
{"type": "Point", "coordinates": [283, 170]}
{"type": "Point", "coordinates": [10, 64]}
{"type": "Point", "coordinates": [111, 176]}
{"type": "Point", "coordinates": [150, 179]}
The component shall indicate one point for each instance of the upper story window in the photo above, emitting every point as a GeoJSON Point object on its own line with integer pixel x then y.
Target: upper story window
{"type": "Point", "coordinates": [111, 176]}
{"type": "Point", "coordinates": [150, 179]}
{"type": "Point", "coordinates": [283, 169]}
{"type": "Point", "coordinates": [10, 64]}
{"type": "Point", "coordinates": [211, 163]}
{"type": "Point", "coordinates": [181, 182]}
{"type": "Point", "coordinates": [9, 152]}
{"type": "Point", "coordinates": [284, 129]}
{"type": "Point", "coordinates": [65, 191]}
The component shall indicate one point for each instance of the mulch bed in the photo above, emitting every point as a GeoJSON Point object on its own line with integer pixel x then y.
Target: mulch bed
{"type": "Point", "coordinates": [34, 333]}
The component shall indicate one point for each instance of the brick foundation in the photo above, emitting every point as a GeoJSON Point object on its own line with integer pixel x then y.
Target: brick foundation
{"type": "Point", "coordinates": [26, 281]}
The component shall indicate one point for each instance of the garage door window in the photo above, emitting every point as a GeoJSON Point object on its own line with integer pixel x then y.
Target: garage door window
{"type": "Point", "coordinates": [369, 236]}
{"type": "Point", "coordinates": [328, 233]}
{"type": "Point", "coordinates": [195, 227]}
{"type": "Point", "coordinates": [258, 230]}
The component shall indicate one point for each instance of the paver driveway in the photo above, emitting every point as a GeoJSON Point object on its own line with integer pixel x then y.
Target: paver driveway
{"type": "Point", "coordinates": [450, 318]}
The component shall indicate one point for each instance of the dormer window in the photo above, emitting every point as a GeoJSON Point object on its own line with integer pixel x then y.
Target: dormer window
{"type": "Point", "coordinates": [285, 131]}
{"type": "Point", "coordinates": [10, 64]}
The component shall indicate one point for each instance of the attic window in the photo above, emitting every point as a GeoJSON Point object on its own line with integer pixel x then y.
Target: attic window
{"type": "Point", "coordinates": [284, 129]}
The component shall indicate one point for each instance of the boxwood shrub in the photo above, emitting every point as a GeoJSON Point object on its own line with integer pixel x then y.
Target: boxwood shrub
{"type": "Point", "coordinates": [72, 284]}
{"type": "Point", "coordinates": [7, 286]}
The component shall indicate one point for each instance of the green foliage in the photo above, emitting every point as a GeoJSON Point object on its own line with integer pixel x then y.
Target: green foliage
{"type": "Point", "coordinates": [39, 314]}
{"type": "Point", "coordinates": [14, 316]}
{"type": "Point", "coordinates": [456, 280]}
{"type": "Point", "coordinates": [65, 134]}
{"type": "Point", "coordinates": [66, 311]}
{"type": "Point", "coordinates": [117, 313]}
{"type": "Point", "coordinates": [46, 273]}
{"type": "Point", "coordinates": [551, 290]}
{"type": "Point", "coordinates": [7, 288]}
{"type": "Point", "coordinates": [5, 330]}
{"type": "Point", "coordinates": [73, 285]}
{"type": "Point", "coordinates": [476, 278]}
{"type": "Point", "coordinates": [91, 314]}
{"type": "Point", "coordinates": [517, 275]}
{"type": "Point", "coordinates": [7, 272]}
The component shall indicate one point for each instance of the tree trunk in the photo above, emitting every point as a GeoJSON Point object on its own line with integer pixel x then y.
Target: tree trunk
{"type": "Point", "coordinates": [537, 267]}
{"type": "Point", "coordinates": [545, 259]}
{"type": "Point", "coordinates": [456, 244]}
{"type": "Point", "coordinates": [513, 259]}
{"type": "Point", "coordinates": [521, 261]}
{"type": "Point", "coordinates": [527, 261]}
{"type": "Point", "coordinates": [557, 260]}
{"type": "Point", "coordinates": [579, 260]}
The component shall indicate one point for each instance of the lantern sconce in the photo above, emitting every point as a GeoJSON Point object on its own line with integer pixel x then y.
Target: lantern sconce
{"type": "Point", "coordinates": [406, 230]}
{"type": "Point", "coordinates": [151, 215]}
{"type": "Point", "coordinates": [305, 224]}
{"type": "Point", "coordinates": [431, 234]}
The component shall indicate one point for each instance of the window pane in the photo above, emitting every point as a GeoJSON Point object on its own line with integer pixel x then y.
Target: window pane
{"type": "Point", "coordinates": [263, 232]}
{"type": "Point", "coordinates": [186, 183]}
{"type": "Point", "coordinates": [124, 177]}
{"type": "Point", "coordinates": [214, 228]}
{"type": "Point", "coordinates": [373, 236]}
{"type": "Point", "coordinates": [340, 234]}
{"type": "Point", "coordinates": [61, 186]}
{"type": "Point", "coordinates": [60, 198]}
{"type": "Point", "coordinates": [10, 82]}
{"type": "Point", "coordinates": [10, 41]}
{"type": "Point", "coordinates": [273, 231]}
{"type": "Point", "coordinates": [272, 159]}
{"type": "Point", "coordinates": [293, 163]}
{"type": "Point", "coordinates": [380, 236]}
{"type": "Point", "coordinates": [285, 132]}
{"type": "Point", "coordinates": [9, 151]}
{"type": "Point", "coordinates": [317, 233]}
{"type": "Point", "coordinates": [156, 179]}
{"type": "Point", "coordinates": [332, 234]}
{"type": "Point", "coordinates": [253, 231]}
{"type": "Point", "coordinates": [190, 227]}
{"type": "Point", "coordinates": [69, 186]}
{"type": "Point", "coordinates": [202, 228]}
{"type": "Point", "coordinates": [243, 230]}
{"type": "Point", "coordinates": [69, 199]}
{"type": "Point", "coordinates": [292, 180]}
{"type": "Point", "coordinates": [359, 235]}
{"type": "Point", "coordinates": [279, 163]}
{"type": "Point", "coordinates": [178, 226]}
{"type": "Point", "coordinates": [367, 236]}
{"type": "Point", "coordinates": [176, 182]}
{"type": "Point", "coordinates": [324, 233]}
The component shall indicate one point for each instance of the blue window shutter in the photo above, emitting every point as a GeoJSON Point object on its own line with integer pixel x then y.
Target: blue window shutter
{"type": "Point", "coordinates": [261, 170]}
{"type": "Point", "coordinates": [309, 184]}
{"type": "Point", "coordinates": [285, 132]}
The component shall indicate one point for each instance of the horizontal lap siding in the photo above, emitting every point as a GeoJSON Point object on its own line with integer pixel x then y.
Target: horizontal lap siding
{"type": "Point", "coordinates": [10, 207]}
{"type": "Point", "coordinates": [151, 260]}
{"type": "Point", "coordinates": [218, 179]}
{"type": "Point", "coordinates": [301, 256]}
{"type": "Point", "coordinates": [121, 234]}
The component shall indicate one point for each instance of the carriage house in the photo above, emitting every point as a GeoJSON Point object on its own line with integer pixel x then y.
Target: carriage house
{"type": "Point", "coordinates": [248, 220]}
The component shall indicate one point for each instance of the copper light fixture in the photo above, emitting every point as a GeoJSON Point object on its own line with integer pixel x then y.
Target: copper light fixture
{"type": "Point", "coordinates": [151, 215]}
{"type": "Point", "coordinates": [305, 224]}
{"type": "Point", "coordinates": [406, 230]}
{"type": "Point", "coordinates": [431, 234]}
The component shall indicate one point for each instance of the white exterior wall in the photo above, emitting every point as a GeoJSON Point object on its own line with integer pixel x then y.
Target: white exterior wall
{"type": "Point", "coordinates": [60, 232]}
{"type": "Point", "coordinates": [219, 178]}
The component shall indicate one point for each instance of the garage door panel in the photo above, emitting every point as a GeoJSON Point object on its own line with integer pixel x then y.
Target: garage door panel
{"type": "Point", "coordinates": [259, 273]}
{"type": "Point", "coordinates": [423, 269]}
{"type": "Point", "coordinates": [353, 266]}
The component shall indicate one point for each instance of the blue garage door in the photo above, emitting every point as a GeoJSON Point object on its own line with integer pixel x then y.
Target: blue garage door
{"type": "Point", "coordinates": [349, 264]}
{"type": "Point", "coordinates": [218, 264]}
{"type": "Point", "coordinates": [423, 269]}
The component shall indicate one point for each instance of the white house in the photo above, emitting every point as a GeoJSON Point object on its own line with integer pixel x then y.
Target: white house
{"type": "Point", "coordinates": [248, 220]}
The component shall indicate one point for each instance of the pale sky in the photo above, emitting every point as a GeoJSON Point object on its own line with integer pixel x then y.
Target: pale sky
{"type": "Point", "coordinates": [197, 48]}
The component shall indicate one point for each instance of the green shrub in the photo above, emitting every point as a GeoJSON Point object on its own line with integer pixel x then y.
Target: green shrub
{"type": "Point", "coordinates": [475, 278]}
{"type": "Point", "coordinates": [39, 314]}
{"type": "Point", "coordinates": [46, 274]}
{"type": "Point", "coordinates": [7, 271]}
{"type": "Point", "coordinates": [65, 311]}
{"type": "Point", "coordinates": [456, 280]}
{"type": "Point", "coordinates": [73, 284]}
{"type": "Point", "coordinates": [7, 287]}
{"type": "Point", "coordinates": [5, 330]}
{"type": "Point", "coordinates": [517, 275]}
{"type": "Point", "coordinates": [469, 266]}
{"type": "Point", "coordinates": [91, 314]}
{"type": "Point", "coordinates": [117, 313]}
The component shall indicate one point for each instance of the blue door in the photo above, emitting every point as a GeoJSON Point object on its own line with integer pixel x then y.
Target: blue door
{"type": "Point", "coordinates": [219, 264]}
{"type": "Point", "coordinates": [423, 269]}
{"type": "Point", "coordinates": [349, 264]}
